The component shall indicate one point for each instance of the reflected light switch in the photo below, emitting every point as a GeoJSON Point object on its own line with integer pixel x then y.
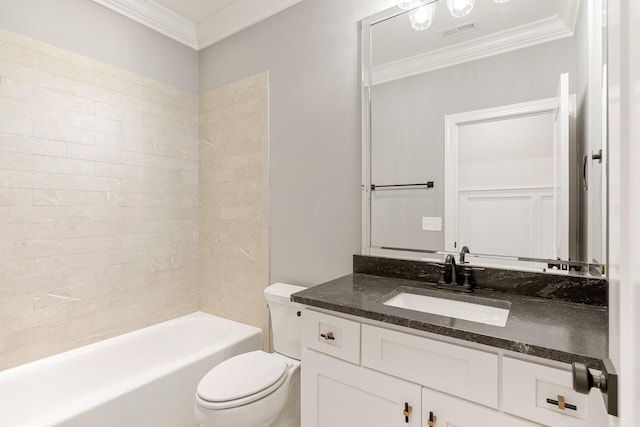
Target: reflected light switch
{"type": "Point", "coordinates": [431, 223]}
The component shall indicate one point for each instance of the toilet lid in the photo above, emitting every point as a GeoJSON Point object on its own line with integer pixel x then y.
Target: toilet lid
{"type": "Point", "coordinates": [242, 379]}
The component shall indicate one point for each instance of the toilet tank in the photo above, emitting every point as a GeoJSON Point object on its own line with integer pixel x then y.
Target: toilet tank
{"type": "Point", "coordinates": [286, 325]}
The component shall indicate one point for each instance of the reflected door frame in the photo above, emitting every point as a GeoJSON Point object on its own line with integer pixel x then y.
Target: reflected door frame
{"type": "Point", "coordinates": [452, 123]}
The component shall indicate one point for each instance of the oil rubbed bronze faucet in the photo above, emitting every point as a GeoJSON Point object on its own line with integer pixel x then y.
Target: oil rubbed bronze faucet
{"type": "Point", "coordinates": [463, 251]}
{"type": "Point", "coordinates": [450, 276]}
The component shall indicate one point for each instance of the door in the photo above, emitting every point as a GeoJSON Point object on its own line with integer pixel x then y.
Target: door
{"type": "Point", "coordinates": [501, 170]}
{"type": "Point", "coordinates": [338, 394]}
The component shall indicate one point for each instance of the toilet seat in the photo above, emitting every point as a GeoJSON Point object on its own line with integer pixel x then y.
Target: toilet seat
{"type": "Point", "coordinates": [241, 380]}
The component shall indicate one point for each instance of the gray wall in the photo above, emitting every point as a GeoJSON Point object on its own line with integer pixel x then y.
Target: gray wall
{"type": "Point", "coordinates": [312, 53]}
{"type": "Point", "coordinates": [90, 29]}
{"type": "Point", "coordinates": [408, 129]}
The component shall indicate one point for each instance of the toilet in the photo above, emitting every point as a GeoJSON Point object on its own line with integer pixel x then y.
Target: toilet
{"type": "Point", "coordinates": [258, 389]}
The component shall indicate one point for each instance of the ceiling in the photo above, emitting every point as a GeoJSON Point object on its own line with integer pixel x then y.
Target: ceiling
{"type": "Point", "coordinates": [198, 23]}
{"type": "Point", "coordinates": [394, 39]}
{"type": "Point", "coordinates": [398, 51]}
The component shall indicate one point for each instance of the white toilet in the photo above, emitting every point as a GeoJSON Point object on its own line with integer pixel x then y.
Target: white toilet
{"type": "Point", "coordinates": [258, 389]}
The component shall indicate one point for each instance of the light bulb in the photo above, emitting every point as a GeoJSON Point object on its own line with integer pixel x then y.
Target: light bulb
{"type": "Point", "coordinates": [411, 4]}
{"type": "Point", "coordinates": [422, 17]}
{"type": "Point", "coordinates": [460, 8]}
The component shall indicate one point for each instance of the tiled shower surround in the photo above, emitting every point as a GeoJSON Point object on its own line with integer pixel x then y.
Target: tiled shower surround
{"type": "Point", "coordinates": [98, 200]}
{"type": "Point", "coordinates": [234, 201]}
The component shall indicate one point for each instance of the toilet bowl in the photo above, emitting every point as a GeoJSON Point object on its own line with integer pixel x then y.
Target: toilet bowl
{"type": "Point", "coordinates": [258, 389]}
{"type": "Point", "coordinates": [249, 390]}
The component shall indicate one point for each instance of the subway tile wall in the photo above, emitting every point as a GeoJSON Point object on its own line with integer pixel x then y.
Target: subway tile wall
{"type": "Point", "coordinates": [98, 201]}
{"type": "Point", "coordinates": [234, 201]}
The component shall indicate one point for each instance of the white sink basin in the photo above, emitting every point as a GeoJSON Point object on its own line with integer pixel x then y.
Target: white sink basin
{"type": "Point", "coordinates": [481, 313]}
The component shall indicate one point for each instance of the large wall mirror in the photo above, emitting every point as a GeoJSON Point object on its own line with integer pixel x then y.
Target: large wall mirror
{"type": "Point", "coordinates": [484, 126]}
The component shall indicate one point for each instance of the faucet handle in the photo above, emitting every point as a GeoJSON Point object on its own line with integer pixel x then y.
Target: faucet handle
{"type": "Point", "coordinates": [467, 285]}
{"type": "Point", "coordinates": [442, 267]}
{"type": "Point", "coordinates": [443, 271]}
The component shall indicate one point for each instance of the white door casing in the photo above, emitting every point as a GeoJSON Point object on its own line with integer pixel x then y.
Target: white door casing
{"type": "Point", "coordinates": [561, 171]}
{"type": "Point", "coordinates": [523, 198]}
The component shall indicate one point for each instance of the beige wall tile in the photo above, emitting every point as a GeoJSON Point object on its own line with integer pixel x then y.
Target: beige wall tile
{"type": "Point", "coordinates": [98, 201]}
{"type": "Point", "coordinates": [124, 201]}
{"type": "Point", "coordinates": [234, 212]}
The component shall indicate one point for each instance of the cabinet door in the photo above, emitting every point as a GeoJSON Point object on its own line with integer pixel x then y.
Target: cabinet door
{"type": "Point", "coordinates": [449, 411]}
{"type": "Point", "coordinates": [335, 393]}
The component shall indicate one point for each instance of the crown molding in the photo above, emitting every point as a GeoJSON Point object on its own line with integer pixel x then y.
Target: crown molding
{"type": "Point", "coordinates": [236, 17]}
{"type": "Point", "coordinates": [157, 18]}
{"type": "Point", "coordinates": [543, 31]}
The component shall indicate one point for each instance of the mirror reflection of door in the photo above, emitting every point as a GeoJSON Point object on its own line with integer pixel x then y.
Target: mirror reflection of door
{"type": "Point", "coordinates": [506, 190]}
{"type": "Point", "coordinates": [514, 54]}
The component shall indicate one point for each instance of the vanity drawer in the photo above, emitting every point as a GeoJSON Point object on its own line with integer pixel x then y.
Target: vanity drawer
{"type": "Point", "coordinates": [464, 372]}
{"type": "Point", "coordinates": [331, 335]}
{"type": "Point", "coordinates": [448, 411]}
{"type": "Point", "coordinates": [532, 391]}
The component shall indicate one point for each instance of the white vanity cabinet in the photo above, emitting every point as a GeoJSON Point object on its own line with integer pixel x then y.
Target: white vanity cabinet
{"type": "Point", "coordinates": [356, 374]}
{"type": "Point", "coordinates": [336, 393]}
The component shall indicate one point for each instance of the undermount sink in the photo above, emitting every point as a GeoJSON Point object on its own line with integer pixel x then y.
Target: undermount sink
{"type": "Point", "coordinates": [474, 309]}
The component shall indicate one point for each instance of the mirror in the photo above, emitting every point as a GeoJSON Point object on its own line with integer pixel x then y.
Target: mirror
{"type": "Point", "coordinates": [486, 131]}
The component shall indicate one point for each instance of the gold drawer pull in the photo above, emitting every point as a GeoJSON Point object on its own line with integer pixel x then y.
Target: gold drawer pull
{"type": "Point", "coordinates": [561, 404]}
{"type": "Point", "coordinates": [407, 411]}
{"type": "Point", "coordinates": [328, 336]}
{"type": "Point", "coordinates": [431, 422]}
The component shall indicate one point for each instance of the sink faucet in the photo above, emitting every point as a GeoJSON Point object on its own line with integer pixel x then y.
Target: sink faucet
{"type": "Point", "coordinates": [450, 270]}
{"type": "Point", "coordinates": [449, 276]}
{"type": "Point", "coordinates": [465, 250]}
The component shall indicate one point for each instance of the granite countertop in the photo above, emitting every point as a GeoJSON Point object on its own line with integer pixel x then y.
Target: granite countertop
{"type": "Point", "coordinates": [552, 329]}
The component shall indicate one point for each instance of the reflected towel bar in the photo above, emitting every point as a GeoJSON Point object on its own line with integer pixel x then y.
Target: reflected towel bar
{"type": "Point", "coordinates": [396, 186]}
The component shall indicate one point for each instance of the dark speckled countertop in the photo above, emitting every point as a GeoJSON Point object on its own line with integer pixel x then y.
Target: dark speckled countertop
{"type": "Point", "coordinates": [552, 329]}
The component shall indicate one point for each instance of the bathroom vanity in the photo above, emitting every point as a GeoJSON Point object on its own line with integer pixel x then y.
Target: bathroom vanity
{"type": "Point", "coordinates": [370, 363]}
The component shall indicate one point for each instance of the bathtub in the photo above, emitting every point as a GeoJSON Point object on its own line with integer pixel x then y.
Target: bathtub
{"type": "Point", "coordinates": [146, 378]}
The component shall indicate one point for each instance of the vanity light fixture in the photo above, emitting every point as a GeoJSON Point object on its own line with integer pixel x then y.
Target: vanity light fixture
{"type": "Point", "coordinates": [421, 11]}
{"type": "Point", "coordinates": [411, 4]}
{"type": "Point", "coordinates": [501, 1]}
{"type": "Point", "coordinates": [460, 8]}
{"type": "Point", "coordinates": [422, 17]}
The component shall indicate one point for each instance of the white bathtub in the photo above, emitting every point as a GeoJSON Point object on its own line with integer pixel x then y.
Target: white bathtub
{"type": "Point", "coordinates": [146, 378]}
